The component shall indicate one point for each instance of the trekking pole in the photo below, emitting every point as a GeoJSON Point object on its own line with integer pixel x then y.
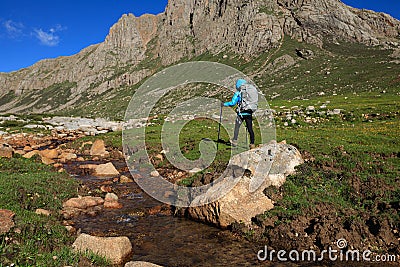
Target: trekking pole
{"type": "Point", "coordinates": [219, 125]}
{"type": "Point", "coordinates": [247, 145]}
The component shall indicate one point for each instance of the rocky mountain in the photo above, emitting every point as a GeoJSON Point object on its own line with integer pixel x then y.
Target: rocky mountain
{"type": "Point", "coordinates": [137, 47]}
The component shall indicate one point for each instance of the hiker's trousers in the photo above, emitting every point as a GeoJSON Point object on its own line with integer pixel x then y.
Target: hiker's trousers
{"type": "Point", "coordinates": [249, 125]}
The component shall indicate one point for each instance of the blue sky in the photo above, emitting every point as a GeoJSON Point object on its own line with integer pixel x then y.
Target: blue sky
{"type": "Point", "coordinates": [31, 30]}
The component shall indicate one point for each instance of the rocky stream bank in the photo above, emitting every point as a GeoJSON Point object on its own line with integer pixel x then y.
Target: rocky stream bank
{"type": "Point", "coordinates": [113, 217]}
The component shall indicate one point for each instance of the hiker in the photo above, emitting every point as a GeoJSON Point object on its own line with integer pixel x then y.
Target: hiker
{"type": "Point", "coordinates": [246, 99]}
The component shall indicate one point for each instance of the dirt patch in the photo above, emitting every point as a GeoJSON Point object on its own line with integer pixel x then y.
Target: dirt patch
{"type": "Point", "coordinates": [360, 213]}
{"type": "Point", "coordinates": [322, 226]}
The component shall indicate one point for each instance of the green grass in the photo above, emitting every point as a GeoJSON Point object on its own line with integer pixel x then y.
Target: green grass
{"type": "Point", "coordinates": [358, 147]}
{"type": "Point", "coordinates": [36, 240]}
{"type": "Point", "coordinates": [191, 135]}
{"type": "Point", "coordinates": [111, 140]}
{"type": "Point", "coordinates": [7, 98]}
{"type": "Point", "coordinates": [354, 164]}
{"type": "Point", "coordinates": [266, 10]}
{"type": "Point", "coordinates": [353, 159]}
{"type": "Point", "coordinates": [54, 96]}
{"type": "Point", "coordinates": [332, 70]}
{"type": "Point", "coordinates": [340, 69]}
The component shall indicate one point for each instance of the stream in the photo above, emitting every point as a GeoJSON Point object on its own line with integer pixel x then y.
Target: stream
{"type": "Point", "coordinates": [156, 235]}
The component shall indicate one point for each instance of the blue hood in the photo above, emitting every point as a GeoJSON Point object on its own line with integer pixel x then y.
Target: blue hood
{"type": "Point", "coordinates": [239, 83]}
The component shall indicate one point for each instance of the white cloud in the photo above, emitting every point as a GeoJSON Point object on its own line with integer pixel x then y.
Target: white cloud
{"type": "Point", "coordinates": [16, 30]}
{"type": "Point", "coordinates": [49, 38]}
{"type": "Point", "coordinates": [13, 29]}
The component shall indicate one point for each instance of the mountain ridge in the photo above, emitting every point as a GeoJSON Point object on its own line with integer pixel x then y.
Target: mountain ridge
{"type": "Point", "coordinates": [136, 47]}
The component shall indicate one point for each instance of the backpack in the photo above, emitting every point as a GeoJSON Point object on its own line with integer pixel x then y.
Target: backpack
{"type": "Point", "coordinates": [249, 98]}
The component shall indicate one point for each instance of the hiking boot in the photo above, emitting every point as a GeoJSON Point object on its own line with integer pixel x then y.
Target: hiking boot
{"type": "Point", "coordinates": [234, 143]}
{"type": "Point", "coordinates": [252, 146]}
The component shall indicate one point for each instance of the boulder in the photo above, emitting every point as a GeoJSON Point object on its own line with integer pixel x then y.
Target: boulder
{"type": "Point", "coordinates": [83, 202]}
{"type": "Point", "coordinates": [82, 205]}
{"type": "Point", "coordinates": [47, 161]}
{"type": "Point", "coordinates": [267, 165]}
{"type": "Point", "coordinates": [141, 264]}
{"type": "Point", "coordinates": [6, 221]}
{"type": "Point", "coordinates": [6, 151]}
{"type": "Point", "coordinates": [98, 148]}
{"type": "Point", "coordinates": [111, 197]}
{"type": "Point", "coordinates": [67, 156]}
{"type": "Point", "coordinates": [31, 154]}
{"type": "Point", "coordinates": [124, 179]}
{"type": "Point", "coordinates": [107, 169]}
{"type": "Point", "coordinates": [88, 166]}
{"type": "Point", "coordinates": [49, 153]}
{"type": "Point", "coordinates": [106, 189]}
{"type": "Point", "coordinates": [305, 53]}
{"type": "Point", "coordinates": [113, 204]}
{"type": "Point", "coordinates": [154, 174]}
{"type": "Point", "coordinates": [43, 212]}
{"type": "Point", "coordinates": [115, 249]}
{"type": "Point", "coordinates": [111, 201]}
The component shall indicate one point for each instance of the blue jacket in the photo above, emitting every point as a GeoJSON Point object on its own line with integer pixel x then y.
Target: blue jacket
{"type": "Point", "coordinates": [235, 101]}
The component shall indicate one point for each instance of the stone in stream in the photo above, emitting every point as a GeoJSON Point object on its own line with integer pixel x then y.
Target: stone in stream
{"type": "Point", "coordinates": [82, 205]}
{"type": "Point", "coordinates": [49, 153]}
{"type": "Point", "coordinates": [106, 189]}
{"type": "Point", "coordinates": [27, 148]}
{"type": "Point", "coordinates": [6, 151]}
{"type": "Point", "coordinates": [242, 204]}
{"type": "Point", "coordinates": [141, 264]}
{"type": "Point", "coordinates": [115, 249]}
{"type": "Point", "coordinates": [154, 174]}
{"type": "Point", "coordinates": [124, 179]}
{"type": "Point", "coordinates": [47, 161]}
{"type": "Point", "coordinates": [31, 154]}
{"type": "Point", "coordinates": [111, 201]}
{"type": "Point", "coordinates": [83, 202]}
{"type": "Point", "coordinates": [6, 221]}
{"type": "Point", "coordinates": [67, 156]}
{"type": "Point", "coordinates": [99, 149]}
{"type": "Point", "coordinates": [107, 169]}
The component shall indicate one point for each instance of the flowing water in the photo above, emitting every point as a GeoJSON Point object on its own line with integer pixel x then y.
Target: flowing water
{"type": "Point", "coordinates": [156, 235]}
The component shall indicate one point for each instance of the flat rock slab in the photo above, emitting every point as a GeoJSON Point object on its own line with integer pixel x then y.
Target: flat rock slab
{"type": "Point", "coordinates": [141, 264]}
{"type": "Point", "coordinates": [115, 249]}
{"type": "Point", "coordinates": [6, 221]}
{"type": "Point", "coordinates": [269, 165]}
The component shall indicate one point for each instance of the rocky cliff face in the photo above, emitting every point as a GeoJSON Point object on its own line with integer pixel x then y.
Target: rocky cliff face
{"type": "Point", "coordinates": [331, 18]}
{"type": "Point", "coordinates": [251, 27]}
{"type": "Point", "coordinates": [190, 28]}
{"type": "Point", "coordinates": [215, 26]}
